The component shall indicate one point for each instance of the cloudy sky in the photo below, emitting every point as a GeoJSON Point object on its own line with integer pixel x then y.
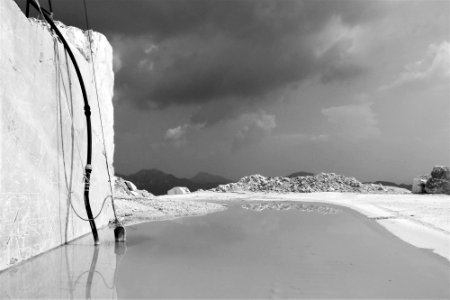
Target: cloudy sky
{"type": "Point", "coordinates": [359, 88]}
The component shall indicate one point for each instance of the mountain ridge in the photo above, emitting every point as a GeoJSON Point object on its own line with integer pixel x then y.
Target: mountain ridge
{"type": "Point", "coordinates": [205, 177]}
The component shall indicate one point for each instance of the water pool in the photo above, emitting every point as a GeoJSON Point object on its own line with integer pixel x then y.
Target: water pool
{"type": "Point", "coordinates": [259, 250]}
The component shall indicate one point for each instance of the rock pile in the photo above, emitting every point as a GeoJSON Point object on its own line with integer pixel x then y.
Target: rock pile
{"type": "Point", "coordinates": [323, 182]}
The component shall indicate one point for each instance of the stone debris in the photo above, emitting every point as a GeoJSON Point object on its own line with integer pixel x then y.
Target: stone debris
{"type": "Point", "coordinates": [283, 205]}
{"type": "Point", "coordinates": [439, 182]}
{"type": "Point", "coordinates": [323, 182]}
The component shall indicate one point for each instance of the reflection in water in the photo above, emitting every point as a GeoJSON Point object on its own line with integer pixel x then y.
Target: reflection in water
{"type": "Point", "coordinates": [287, 205]}
{"type": "Point", "coordinates": [265, 250]}
{"type": "Point", "coordinates": [75, 270]}
{"type": "Point", "coordinates": [91, 273]}
{"type": "Point", "coordinates": [280, 250]}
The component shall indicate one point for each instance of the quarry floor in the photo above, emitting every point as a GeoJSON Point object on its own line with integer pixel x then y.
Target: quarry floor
{"type": "Point", "coordinates": [421, 220]}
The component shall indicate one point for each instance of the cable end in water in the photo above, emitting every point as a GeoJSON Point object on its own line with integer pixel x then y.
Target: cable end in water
{"type": "Point", "coordinates": [119, 234]}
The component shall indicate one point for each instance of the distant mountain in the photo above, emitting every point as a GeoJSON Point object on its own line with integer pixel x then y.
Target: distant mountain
{"type": "Point", "coordinates": [301, 173]}
{"type": "Point", "coordinates": [203, 177]}
{"type": "Point", "coordinates": [388, 183]}
{"type": "Point", "coordinates": [158, 182]}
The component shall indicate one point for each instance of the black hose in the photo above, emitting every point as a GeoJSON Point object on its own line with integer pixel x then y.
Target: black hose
{"type": "Point", "coordinates": [87, 113]}
{"type": "Point", "coordinates": [50, 6]}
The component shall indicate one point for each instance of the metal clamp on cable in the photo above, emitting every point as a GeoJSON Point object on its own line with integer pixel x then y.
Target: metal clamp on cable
{"type": "Point", "coordinates": [87, 177]}
{"type": "Point", "coordinates": [87, 184]}
{"type": "Point", "coordinates": [87, 110]}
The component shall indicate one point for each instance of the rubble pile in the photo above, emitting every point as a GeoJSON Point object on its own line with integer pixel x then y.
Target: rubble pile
{"type": "Point", "coordinates": [323, 182]}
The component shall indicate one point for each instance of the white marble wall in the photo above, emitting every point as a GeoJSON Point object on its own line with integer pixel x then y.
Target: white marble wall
{"type": "Point", "coordinates": [39, 92]}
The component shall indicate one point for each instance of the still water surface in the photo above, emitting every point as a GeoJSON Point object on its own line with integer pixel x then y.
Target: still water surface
{"type": "Point", "coordinates": [267, 250]}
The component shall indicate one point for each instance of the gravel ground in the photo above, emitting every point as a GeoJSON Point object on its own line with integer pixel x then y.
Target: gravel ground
{"type": "Point", "coordinates": [140, 210]}
{"type": "Point", "coordinates": [137, 206]}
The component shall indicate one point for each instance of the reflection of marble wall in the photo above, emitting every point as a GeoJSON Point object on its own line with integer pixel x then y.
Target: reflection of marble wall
{"type": "Point", "coordinates": [36, 134]}
{"type": "Point", "coordinates": [71, 271]}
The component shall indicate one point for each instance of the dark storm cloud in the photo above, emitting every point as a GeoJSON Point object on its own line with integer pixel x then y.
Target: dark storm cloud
{"type": "Point", "coordinates": [195, 52]}
{"type": "Point", "coordinates": [216, 50]}
{"type": "Point", "coordinates": [245, 18]}
{"type": "Point", "coordinates": [212, 69]}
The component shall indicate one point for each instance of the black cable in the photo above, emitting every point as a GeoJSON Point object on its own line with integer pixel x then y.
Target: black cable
{"type": "Point", "coordinates": [50, 6]}
{"type": "Point", "coordinates": [87, 112]}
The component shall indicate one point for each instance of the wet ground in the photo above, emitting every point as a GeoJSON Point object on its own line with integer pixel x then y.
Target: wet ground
{"type": "Point", "coordinates": [251, 250]}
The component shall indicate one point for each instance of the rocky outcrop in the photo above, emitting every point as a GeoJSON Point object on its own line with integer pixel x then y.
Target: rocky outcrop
{"type": "Point", "coordinates": [323, 182]}
{"type": "Point", "coordinates": [204, 178]}
{"type": "Point", "coordinates": [439, 182]}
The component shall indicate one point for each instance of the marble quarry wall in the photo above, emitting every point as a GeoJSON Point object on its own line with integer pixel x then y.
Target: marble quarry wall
{"type": "Point", "coordinates": [43, 134]}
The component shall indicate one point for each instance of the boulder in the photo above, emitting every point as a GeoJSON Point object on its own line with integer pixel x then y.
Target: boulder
{"type": "Point", "coordinates": [178, 190]}
{"type": "Point", "coordinates": [130, 186]}
{"type": "Point", "coordinates": [440, 172]}
{"type": "Point", "coordinates": [439, 182]}
{"type": "Point", "coordinates": [418, 186]}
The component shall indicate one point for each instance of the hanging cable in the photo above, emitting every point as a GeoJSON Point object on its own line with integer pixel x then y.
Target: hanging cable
{"type": "Point", "coordinates": [68, 181]}
{"type": "Point", "coordinates": [119, 231]}
{"type": "Point", "coordinates": [99, 109]}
